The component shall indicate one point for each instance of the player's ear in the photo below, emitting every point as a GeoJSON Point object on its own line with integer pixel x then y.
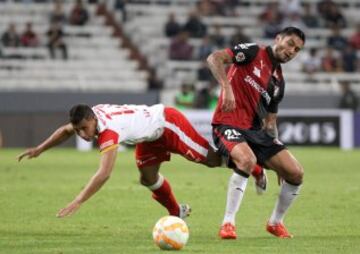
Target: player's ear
{"type": "Point", "coordinates": [94, 120]}
{"type": "Point", "coordinates": [277, 38]}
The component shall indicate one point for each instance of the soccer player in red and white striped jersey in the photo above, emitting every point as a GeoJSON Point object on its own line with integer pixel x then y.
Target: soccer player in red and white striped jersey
{"type": "Point", "coordinates": [157, 131]}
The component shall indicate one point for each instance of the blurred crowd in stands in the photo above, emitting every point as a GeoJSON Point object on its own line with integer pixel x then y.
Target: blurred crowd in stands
{"type": "Point", "coordinates": [78, 16]}
{"type": "Point", "coordinates": [341, 53]}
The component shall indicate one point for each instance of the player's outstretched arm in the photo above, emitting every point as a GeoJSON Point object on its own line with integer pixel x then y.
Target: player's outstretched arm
{"type": "Point", "coordinates": [58, 136]}
{"type": "Point", "coordinates": [217, 62]}
{"type": "Point", "coordinates": [107, 162]}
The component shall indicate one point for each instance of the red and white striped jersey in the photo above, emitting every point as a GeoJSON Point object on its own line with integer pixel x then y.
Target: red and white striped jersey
{"type": "Point", "coordinates": [130, 124]}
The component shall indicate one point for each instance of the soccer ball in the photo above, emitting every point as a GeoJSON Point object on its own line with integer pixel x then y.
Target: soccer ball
{"type": "Point", "coordinates": [170, 233]}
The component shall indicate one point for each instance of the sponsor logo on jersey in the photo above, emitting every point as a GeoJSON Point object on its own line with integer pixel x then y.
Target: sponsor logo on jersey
{"type": "Point", "coordinates": [257, 72]}
{"type": "Point", "coordinates": [240, 57]}
{"type": "Point", "coordinates": [249, 80]}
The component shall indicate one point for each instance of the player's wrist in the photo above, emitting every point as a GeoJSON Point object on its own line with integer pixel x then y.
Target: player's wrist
{"type": "Point", "coordinates": [40, 149]}
{"type": "Point", "coordinates": [226, 85]}
{"type": "Point", "coordinates": [227, 90]}
{"type": "Point", "coordinates": [79, 200]}
{"type": "Point", "coordinates": [272, 132]}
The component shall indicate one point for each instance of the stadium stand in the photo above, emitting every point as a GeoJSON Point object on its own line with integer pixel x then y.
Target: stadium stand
{"type": "Point", "coordinates": [145, 21]}
{"type": "Point", "coordinates": [121, 60]}
{"type": "Point", "coordinates": [96, 61]}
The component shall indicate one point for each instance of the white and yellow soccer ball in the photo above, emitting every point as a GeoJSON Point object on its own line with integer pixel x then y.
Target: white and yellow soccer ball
{"type": "Point", "coordinates": [170, 233]}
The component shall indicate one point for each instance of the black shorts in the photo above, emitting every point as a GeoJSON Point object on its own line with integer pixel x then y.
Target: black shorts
{"type": "Point", "coordinates": [262, 144]}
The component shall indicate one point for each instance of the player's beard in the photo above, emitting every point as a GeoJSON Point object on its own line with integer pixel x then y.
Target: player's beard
{"type": "Point", "coordinates": [283, 58]}
{"type": "Point", "coordinates": [280, 55]}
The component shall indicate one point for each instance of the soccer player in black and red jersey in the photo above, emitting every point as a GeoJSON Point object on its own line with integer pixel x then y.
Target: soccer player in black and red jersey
{"type": "Point", "coordinates": [244, 122]}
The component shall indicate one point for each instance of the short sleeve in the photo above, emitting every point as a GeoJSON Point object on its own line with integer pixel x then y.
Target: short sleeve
{"type": "Point", "coordinates": [107, 140]}
{"type": "Point", "coordinates": [243, 53]}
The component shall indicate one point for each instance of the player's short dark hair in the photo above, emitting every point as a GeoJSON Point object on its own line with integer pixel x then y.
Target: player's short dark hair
{"type": "Point", "coordinates": [290, 30]}
{"type": "Point", "coordinates": [80, 112]}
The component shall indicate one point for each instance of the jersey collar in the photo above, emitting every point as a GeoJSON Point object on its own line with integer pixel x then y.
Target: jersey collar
{"type": "Point", "coordinates": [101, 125]}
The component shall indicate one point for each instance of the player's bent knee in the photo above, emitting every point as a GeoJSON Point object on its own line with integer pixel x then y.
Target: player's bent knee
{"type": "Point", "coordinates": [246, 163]}
{"type": "Point", "coordinates": [297, 175]}
{"type": "Point", "coordinates": [300, 174]}
{"type": "Point", "coordinates": [145, 181]}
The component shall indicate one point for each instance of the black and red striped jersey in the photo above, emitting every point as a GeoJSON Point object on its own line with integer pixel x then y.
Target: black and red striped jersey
{"type": "Point", "coordinates": [257, 83]}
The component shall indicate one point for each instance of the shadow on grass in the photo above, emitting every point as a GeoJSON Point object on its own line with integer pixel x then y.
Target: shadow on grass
{"type": "Point", "coordinates": [120, 242]}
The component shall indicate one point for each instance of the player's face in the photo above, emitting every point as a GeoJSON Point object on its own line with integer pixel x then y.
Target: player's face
{"type": "Point", "coordinates": [287, 47]}
{"type": "Point", "coordinates": [86, 129]}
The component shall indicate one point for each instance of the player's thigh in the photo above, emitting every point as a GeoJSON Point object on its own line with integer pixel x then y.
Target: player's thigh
{"type": "Point", "coordinates": [232, 144]}
{"type": "Point", "coordinates": [287, 166]}
{"type": "Point", "coordinates": [151, 153]}
{"type": "Point", "coordinates": [243, 157]}
{"type": "Point", "coordinates": [182, 138]}
{"type": "Point", "coordinates": [149, 174]}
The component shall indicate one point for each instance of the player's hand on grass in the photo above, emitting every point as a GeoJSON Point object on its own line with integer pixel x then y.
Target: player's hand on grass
{"type": "Point", "coordinates": [70, 209]}
{"type": "Point", "coordinates": [30, 153]}
{"type": "Point", "coordinates": [228, 99]}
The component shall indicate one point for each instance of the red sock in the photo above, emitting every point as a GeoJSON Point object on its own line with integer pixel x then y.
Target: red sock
{"type": "Point", "coordinates": [165, 197]}
{"type": "Point", "coordinates": [257, 171]}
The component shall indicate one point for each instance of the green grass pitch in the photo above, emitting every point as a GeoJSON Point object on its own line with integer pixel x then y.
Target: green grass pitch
{"type": "Point", "coordinates": [120, 217]}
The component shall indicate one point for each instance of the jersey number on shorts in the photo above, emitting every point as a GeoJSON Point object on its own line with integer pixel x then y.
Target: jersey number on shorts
{"type": "Point", "coordinates": [232, 134]}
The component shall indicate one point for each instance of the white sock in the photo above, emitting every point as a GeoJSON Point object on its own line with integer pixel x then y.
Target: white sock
{"type": "Point", "coordinates": [287, 195]}
{"type": "Point", "coordinates": [158, 183]}
{"type": "Point", "coordinates": [236, 189]}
